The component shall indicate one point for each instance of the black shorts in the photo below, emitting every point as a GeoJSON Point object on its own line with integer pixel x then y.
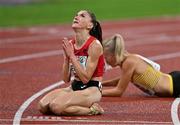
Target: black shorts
{"type": "Point", "coordinates": [79, 85]}
{"type": "Point", "coordinates": [176, 83]}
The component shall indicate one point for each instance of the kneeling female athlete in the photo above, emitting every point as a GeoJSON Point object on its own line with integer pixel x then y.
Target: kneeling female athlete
{"type": "Point", "coordinates": [84, 57]}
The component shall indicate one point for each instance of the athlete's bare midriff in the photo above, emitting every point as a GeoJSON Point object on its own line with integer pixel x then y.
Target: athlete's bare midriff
{"type": "Point", "coordinates": [163, 86]}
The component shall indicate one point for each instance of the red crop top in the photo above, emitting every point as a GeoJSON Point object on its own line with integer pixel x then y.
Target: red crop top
{"type": "Point", "coordinates": [82, 56]}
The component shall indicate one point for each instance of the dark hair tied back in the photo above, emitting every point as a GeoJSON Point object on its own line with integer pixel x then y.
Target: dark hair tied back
{"type": "Point", "coordinates": [96, 31]}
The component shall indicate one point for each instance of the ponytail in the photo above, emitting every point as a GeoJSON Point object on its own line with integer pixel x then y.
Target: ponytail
{"type": "Point", "coordinates": [119, 47]}
{"type": "Point", "coordinates": [115, 45]}
{"type": "Point", "coordinates": [96, 31]}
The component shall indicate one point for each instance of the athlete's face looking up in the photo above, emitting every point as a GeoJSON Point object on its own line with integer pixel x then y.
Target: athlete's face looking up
{"type": "Point", "coordinates": [82, 20]}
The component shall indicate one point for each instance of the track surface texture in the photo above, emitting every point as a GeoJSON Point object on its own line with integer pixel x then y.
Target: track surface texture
{"type": "Point", "coordinates": [31, 62]}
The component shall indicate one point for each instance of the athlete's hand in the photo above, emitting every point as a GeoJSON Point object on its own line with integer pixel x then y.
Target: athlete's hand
{"type": "Point", "coordinates": [65, 54]}
{"type": "Point", "coordinates": [68, 48]}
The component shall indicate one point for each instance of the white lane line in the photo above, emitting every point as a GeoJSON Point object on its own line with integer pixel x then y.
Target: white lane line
{"type": "Point", "coordinates": [61, 119]}
{"type": "Point", "coordinates": [31, 56]}
{"type": "Point", "coordinates": [18, 115]}
{"type": "Point", "coordinates": [39, 38]}
{"type": "Point", "coordinates": [165, 56]}
{"type": "Point", "coordinates": [81, 121]}
{"type": "Point", "coordinates": [157, 39]}
{"type": "Point", "coordinates": [145, 29]}
{"type": "Point", "coordinates": [132, 30]}
{"type": "Point", "coordinates": [174, 111]}
{"type": "Point", "coordinates": [137, 40]}
{"type": "Point", "coordinates": [20, 111]}
{"type": "Point", "coordinates": [60, 52]}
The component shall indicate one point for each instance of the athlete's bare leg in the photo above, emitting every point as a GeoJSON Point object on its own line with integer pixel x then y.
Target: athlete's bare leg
{"type": "Point", "coordinates": [95, 109]}
{"type": "Point", "coordinates": [43, 104]}
{"type": "Point", "coordinates": [76, 102]}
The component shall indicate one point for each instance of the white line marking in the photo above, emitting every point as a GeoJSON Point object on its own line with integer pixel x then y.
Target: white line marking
{"type": "Point", "coordinates": [60, 119]}
{"type": "Point", "coordinates": [174, 111]}
{"type": "Point", "coordinates": [136, 40]}
{"type": "Point", "coordinates": [18, 115]}
{"type": "Point", "coordinates": [60, 52]}
{"type": "Point", "coordinates": [31, 56]}
{"type": "Point", "coordinates": [156, 39]}
{"type": "Point", "coordinates": [68, 32]}
{"type": "Point", "coordinates": [40, 38]}
{"type": "Point", "coordinates": [27, 39]}
{"type": "Point", "coordinates": [145, 29]}
{"type": "Point", "coordinates": [165, 56]}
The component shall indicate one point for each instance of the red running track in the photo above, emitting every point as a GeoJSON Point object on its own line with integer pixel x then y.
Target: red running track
{"type": "Point", "coordinates": [31, 60]}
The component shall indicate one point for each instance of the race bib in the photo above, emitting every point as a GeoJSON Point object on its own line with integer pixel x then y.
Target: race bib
{"type": "Point", "coordinates": [82, 60]}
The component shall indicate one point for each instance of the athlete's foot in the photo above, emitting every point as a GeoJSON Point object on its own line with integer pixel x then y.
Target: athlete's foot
{"type": "Point", "coordinates": [96, 109]}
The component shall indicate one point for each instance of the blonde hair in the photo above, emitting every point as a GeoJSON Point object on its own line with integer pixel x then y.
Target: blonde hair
{"type": "Point", "coordinates": [115, 45]}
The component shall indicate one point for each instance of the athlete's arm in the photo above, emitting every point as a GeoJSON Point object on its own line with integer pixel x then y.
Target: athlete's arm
{"type": "Point", "coordinates": [94, 52]}
{"type": "Point", "coordinates": [66, 69]}
{"type": "Point", "coordinates": [111, 82]}
{"type": "Point", "coordinates": [127, 72]}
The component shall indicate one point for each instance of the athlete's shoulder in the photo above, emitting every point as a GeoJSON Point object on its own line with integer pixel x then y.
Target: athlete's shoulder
{"type": "Point", "coordinates": [96, 44]}
{"type": "Point", "coordinates": [129, 62]}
